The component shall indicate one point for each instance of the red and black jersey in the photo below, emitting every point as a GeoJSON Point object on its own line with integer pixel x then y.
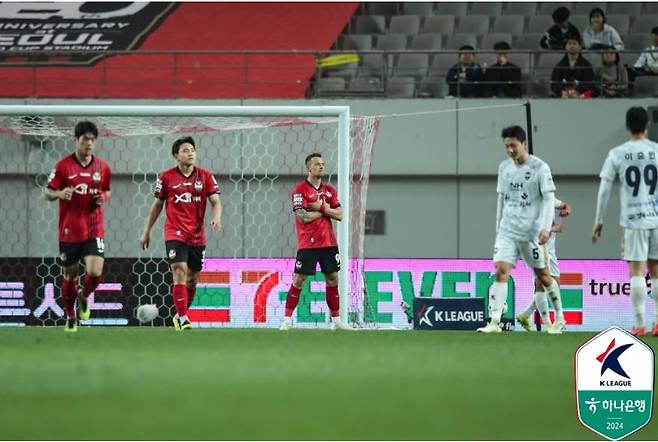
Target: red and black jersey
{"type": "Point", "coordinates": [318, 233]}
{"type": "Point", "coordinates": [186, 198]}
{"type": "Point", "coordinates": [80, 219]}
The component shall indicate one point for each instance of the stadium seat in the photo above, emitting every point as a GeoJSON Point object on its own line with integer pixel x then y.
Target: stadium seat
{"type": "Point", "coordinates": [627, 8]}
{"type": "Point", "coordinates": [401, 87]}
{"type": "Point", "coordinates": [331, 84]}
{"type": "Point", "coordinates": [485, 59]}
{"type": "Point", "coordinates": [628, 59]}
{"type": "Point", "coordinates": [374, 65]}
{"type": "Point", "coordinates": [538, 86]}
{"type": "Point", "coordinates": [645, 24]}
{"type": "Point", "coordinates": [347, 71]}
{"type": "Point", "coordinates": [524, 61]}
{"type": "Point", "coordinates": [621, 22]}
{"type": "Point", "coordinates": [529, 41]}
{"type": "Point", "coordinates": [540, 24]}
{"type": "Point", "coordinates": [382, 8]}
{"type": "Point", "coordinates": [391, 42]}
{"type": "Point", "coordinates": [365, 84]}
{"type": "Point", "coordinates": [580, 21]}
{"type": "Point", "coordinates": [404, 24]}
{"type": "Point", "coordinates": [527, 9]}
{"type": "Point", "coordinates": [492, 9]}
{"type": "Point", "coordinates": [358, 42]}
{"type": "Point", "coordinates": [474, 24]}
{"type": "Point", "coordinates": [651, 8]}
{"type": "Point", "coordinates": [585, 7]}
{"type": "Point", "coordinates": [439, 24]}
{"type": "Point", "coordinates": [546, 62]}
{"type": "Point", "coordinates": [369, 24]}
{"type": "Point", "coordinates": [514, 24]}
{"type": "Point", "coordinates": [646, 86]}
{"type": "Point", "coordinates": [637, 41]}
{"type": "Point", "coordinates": [433, 86]}
{"type": "Point", "coordinates": [455, 41]}
{"type": "Point", "coordinates": [489, 40]}
{"type": "Point", "coordinates": [412, 65]}
{"type": "Point", "coordinates": [442, 63]}
{"type": "Point", "coordinates": [427, 42]}
{"type": "Point", "coordinates": [452, 8]}
{"type": "Point", "coordinates": [547, 8]}
{"type": "Point", "coordinates": [423, 9]}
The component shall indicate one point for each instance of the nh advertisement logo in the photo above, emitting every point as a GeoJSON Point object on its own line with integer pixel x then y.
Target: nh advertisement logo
{"type": "Point", "coordinates": [614, 383]}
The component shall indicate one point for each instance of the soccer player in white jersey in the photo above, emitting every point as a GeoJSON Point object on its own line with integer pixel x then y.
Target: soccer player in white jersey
{"type": "Point", "coordinates": [562, 209]}
{"type": "Point", "coordinates": [523, 220]}
{"type": "Point", "coordinates": [636, 164]}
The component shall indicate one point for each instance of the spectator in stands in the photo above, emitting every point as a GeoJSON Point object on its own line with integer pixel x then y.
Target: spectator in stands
{"type": "Point", "coordinates": [612, 77]}
{"type": "Point", "coordinates": [502, 79]}
{"type": "Point", "coordinates": [556, 36]}
{"type": "Point", "coordinates": [464, 78]}
{"type": "Point", "coordinates": [573, 76]}
{"type": "Point", "coordinates": [599, 32]}
{"type": "Point", "coordinates": [647, 63]}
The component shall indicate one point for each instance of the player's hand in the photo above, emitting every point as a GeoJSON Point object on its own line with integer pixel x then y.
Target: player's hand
{"type": "Point", "coordinates": [596, 232]}
{"type": "Point", "coordinates": [100, 199]}
{"type": "Point", "coordinates": [543, 237]}
{"type": "Point", "coordinates": [315, 205]}
{"type": "Point", "coordinates": [565, 209]}
{"type": "Point", "coordinates": [66, 194]}
{"type": "Point", "coordinates": [216, 225]}
{"type": "Point", "coordinates": [144, 240]}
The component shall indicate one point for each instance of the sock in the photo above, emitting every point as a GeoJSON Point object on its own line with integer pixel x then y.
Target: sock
{"type": "Point", "coordinates": [541, 301]}
{"type": "Point", "coordinates": [183, 318]}
{"type": "Point", "coordinates": [531, 308]}
{"type": "Point", "coordinates": [638, 293]}
{"type": "Point", "coordinates": [497, 297]}
{"type": "Point", "coordinates": [292, 299]}
{"type": "Point", "coordinates": [556, 298]}
{"type": "Point", "coordinates": [191, 292]}
{"type": "Point", "coordinates": [179, 293]}
{"type": "Point", "coordinates": [69, 292]}
{"type": "Point", "coordinates": [333, 301]}
{"type": "Point", "coordinates": [91, 283]}
{"type": "Point", "coordinates": [654, 295]}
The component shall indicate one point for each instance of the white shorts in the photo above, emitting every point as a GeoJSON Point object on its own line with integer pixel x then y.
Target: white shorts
{"type": "Point", "coordinates": [509, 250]}
{"type": "Point", "coordinates": [639, 245]}
{"type": "Point", "coordinates": [553, 263]}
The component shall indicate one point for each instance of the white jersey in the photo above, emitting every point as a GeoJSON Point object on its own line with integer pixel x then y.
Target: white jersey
{"type": "Point", "coordinates": [553, 238]}
{"type": "Point", "coordinates": [523, 187]}
{"type": "Point", "coordinates": [636, 164]}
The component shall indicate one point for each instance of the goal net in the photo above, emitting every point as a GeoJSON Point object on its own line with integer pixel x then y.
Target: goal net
{"type": "Point", "coordinates": [257, 155]}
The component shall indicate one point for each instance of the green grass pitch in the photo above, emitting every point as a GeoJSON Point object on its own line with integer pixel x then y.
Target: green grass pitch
{"type": "Point", "coordinates": [144, 383]}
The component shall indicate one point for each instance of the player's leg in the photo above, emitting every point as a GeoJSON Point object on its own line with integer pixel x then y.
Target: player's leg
{"type": "Point", "coordinates": [69, 255]}
{"type": "Point", "coordinates": [178, 253]}
{"type": "Point", "coordinates": [305, 264]}
{"type": "Point", "coordinates": [194, 265]}
{"type": "Point", "coordinates": [329, 259]}
{"type": "Point", "coordinates": [93, 254]}
{"type": "Point", "coordinates": [541, 298]}
{"type": "Point", "coordinates": [524, 316]}
{"type": "Point", "coordinates": [555, 296]}
{"type": "Point", "coordinates": [653, 270]}
{"type": "Point", "coordinates": [635, 251]}
{"type": "Point", "coordinates": [505, 257]}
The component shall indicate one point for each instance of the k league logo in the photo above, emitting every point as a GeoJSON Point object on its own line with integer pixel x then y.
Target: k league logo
{"type": "Point", "coordinates": [614, 383]}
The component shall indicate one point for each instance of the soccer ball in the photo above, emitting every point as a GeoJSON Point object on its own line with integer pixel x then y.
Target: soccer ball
{"type": "Point", "coordinates": [147, 313]}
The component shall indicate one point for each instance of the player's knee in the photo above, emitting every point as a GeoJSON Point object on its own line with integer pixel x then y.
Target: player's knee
{"type": "Point", "coordinates": [331, 279]}
{"type": "Point", "coordinates": [179, 272]}
{"type": "Point", "coordinates": [299, 280]}
{"type": "Point", "coordinates": [502, 274]}
{"type": "Point", "coordinates": [538, 284]}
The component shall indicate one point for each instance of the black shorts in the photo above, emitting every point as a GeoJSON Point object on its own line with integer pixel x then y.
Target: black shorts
{"type": "Point", "coordinates": [72, 252]}
{"type": "Point", "coordinates": [178, 251]}
{"type": "Point", "coordinates": [307, 260]}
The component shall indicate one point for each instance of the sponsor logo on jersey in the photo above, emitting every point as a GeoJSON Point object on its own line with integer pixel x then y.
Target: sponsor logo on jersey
{"type": "Point", "coordinates": [172, 254]}
{"type": "Point", "coordinates": [527, 175]}
{"type": "Point", "coordinates": [198, 185]}
{"type": "Point", "coordinates": [96, 177]}
{"type": "Point", "coordinates": [70, 176]}
{"type": "Point", "coordinates": [186, 198]}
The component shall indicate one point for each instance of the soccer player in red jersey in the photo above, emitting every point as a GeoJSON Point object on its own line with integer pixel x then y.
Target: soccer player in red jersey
{"type": "Point", "coordinates": [315, 204]}
{"type": "Point", "coordinates": [81, 183]}
{"type": "Point", "coordinates": [185, 189]}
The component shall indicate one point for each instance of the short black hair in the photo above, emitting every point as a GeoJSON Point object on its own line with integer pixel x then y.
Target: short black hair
{"type": "Point", "coordinates": [597, 11]}
{"type": "Point", "coordinates": [560, 15]}
{"type": "Point", "coordinates": [637, 119]}
{"type": "Point", "coordinates": [85, 127]}
{"type": "Point", "coordinates": [573, 36]}
{"type": "Point", "coordinates": [466, 48]}
{"type": "Point", "coordinates": [502, 46]}
{"type": "Point", "coordinates": [655, 30]}
{"type": "Point", "coordinates": [177, 144]}
{"type": "Point", "coordinates": [311, 156]}
{"type": "Point", "coordinates": [514, 132]}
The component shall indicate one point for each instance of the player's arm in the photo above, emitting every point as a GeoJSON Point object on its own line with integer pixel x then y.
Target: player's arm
{"type": "Point", "coordinates": [602, 200]}
{"type": "Point", "coordinates": [52, 194]}
{"type": "Point", "coordinates": [335, 213]}
{"type": "Point", "coordinates": [154, 213]}
{"type": "Point", "coordinates": [306, 217]}
{"type": "Point", "coordinates": [546, 216]}
{"type": "Point", "coordinates": [556, 228]}
{"type": "Point", "coordinates": [563, 206]}
{"type": "Point", "coordinates": [499, 211]}
{"type": "Point", "coordinates": [216, 207]}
